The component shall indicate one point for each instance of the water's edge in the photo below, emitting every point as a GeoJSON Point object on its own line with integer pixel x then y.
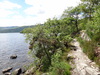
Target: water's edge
{"type": "Point", "coordinates": [13, 44]}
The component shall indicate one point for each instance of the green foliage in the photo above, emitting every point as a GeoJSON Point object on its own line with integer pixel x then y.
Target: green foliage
{"type": "Point", "coordinates": [72, 13]}
{"type": "Point", "coordinates": [93, 27]}
{"type": "Point", "coordinates": [88, 7]}
{"type": "Point", "coordinates": [48, 41]}
{"type": "Point", "coordinates": [46, 64]}
{"type": "Point", "coordinates": [59, 67]}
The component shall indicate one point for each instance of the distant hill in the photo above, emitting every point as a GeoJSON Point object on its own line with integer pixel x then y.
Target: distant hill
{"type": "Point", "coordinates": [13, 29]}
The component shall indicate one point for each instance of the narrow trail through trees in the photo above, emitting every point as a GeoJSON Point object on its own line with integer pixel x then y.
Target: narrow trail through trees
{"type": "Point", "coordinates": [81, 64]}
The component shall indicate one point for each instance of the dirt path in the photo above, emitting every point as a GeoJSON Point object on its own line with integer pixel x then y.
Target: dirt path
{"type": "Point", "coordinates": [81, 63]}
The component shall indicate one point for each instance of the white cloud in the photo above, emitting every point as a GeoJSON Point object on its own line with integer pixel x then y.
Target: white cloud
{"type": "Point", "coordinates": [17, 17]}
{"type": "Point", "coordinates": [5, 13]}
{"type": "Point", "coordinates": [6, 8]}
{"type": "Point", "coordinates": [19, 20]}
{"type": "Point", "coordinates": [50, 8]}
{"type": "Point", "coordinates": [39, 11]}
{"type": "Point", "coordinates": [8, 5]}
{"type": "Point", "coordinates": [31, 11]}
{"type": "Point", "coordinates": [54, 7]}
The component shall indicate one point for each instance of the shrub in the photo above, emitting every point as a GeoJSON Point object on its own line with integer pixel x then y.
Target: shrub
{"type": "Point", "coordinates": [59, 67]}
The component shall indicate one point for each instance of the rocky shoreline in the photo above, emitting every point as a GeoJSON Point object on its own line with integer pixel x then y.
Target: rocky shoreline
{"type": "Point", "coordinates": [18, 71]}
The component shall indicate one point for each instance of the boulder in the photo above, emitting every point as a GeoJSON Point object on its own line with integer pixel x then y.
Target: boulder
{"type": "Point", "coordinates": [13, 57]}
{"type": "Point", "coordinates": [97, 52]}
{"type": "Point", "coordinates": [84, 35]}
{"type": "Point", "coordinates": [30, 47]}
{"type": "Point", "coordinates": [30, 71]}
{"type": "Point", "coordinates": [17, 71]}
{"type": "Point", "coordinates": [7, 73]}
{"type": "Point", "coordinates": [7, 70]}
{"type": "Point", "coordinates": [23, 70]}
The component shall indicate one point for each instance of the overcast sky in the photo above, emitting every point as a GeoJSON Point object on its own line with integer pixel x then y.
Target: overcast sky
{"type": "Point", "coordinates": [30, 12]}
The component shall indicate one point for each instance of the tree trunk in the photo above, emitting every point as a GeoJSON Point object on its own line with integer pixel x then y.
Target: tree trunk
{"type": "Point", "coordinates": [76, 23]}
{"type": "Point", "coordinates": [48, 56]}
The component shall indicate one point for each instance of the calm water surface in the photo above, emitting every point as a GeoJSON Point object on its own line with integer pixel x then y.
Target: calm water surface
{"type": "Point", "coordinates": [10, 44]}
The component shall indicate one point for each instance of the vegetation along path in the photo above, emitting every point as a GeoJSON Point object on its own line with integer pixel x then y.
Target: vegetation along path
{"type": "Point", "coordinates": [83, 65]}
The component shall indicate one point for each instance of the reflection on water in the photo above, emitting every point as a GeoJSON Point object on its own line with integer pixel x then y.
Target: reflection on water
{"type": "Point", "coordinates": [10, 44]}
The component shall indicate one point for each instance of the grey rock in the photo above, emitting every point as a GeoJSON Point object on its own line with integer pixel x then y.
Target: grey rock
{"type": "Point", "coordinates": [13, 57]}
{"type": "Point", "coordinates": [29, 72]}
{"type": "Point", "coordinates": [23, 70]}
{"type": "Point", "coordinates": [7, 73]}
{"type": "Point", "coordinates": [7, 70]}
{"type": "Point", "coordinates": [73, 48]}
{"type": "Point", "coordinates": [17, 71]}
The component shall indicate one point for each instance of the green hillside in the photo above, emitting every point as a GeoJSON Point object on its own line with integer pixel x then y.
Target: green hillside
{"type": "Point", "coordinates": [13, 29]}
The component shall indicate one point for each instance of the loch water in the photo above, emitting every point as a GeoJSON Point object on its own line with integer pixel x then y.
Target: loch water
{"type": "Point", "coordinates": [13, 44]}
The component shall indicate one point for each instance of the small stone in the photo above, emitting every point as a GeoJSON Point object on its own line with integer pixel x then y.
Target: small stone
{"type": "Point", "coordinates": [7, 70]}
{"type": "Point", "coordinates": [13, 57]}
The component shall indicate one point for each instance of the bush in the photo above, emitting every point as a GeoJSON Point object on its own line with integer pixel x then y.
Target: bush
{"type": "Point", "coordinates": [59, 67]}
{"type": "Point", "coordinates": [46, 63]}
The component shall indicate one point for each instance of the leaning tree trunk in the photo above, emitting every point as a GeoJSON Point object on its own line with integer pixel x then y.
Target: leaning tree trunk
{"type": "Point", "coordinates": [76, 23]}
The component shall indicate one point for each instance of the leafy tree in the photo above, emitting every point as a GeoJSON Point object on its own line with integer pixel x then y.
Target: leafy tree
{"type": "Point", "coordinates": [73, 13]}
{"type": "Point", "coordinates": [93, 27]}
{"type": "Point", "coordinates": [46, 39]}
{"type": "Point", "coordinates": [88, 7]}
